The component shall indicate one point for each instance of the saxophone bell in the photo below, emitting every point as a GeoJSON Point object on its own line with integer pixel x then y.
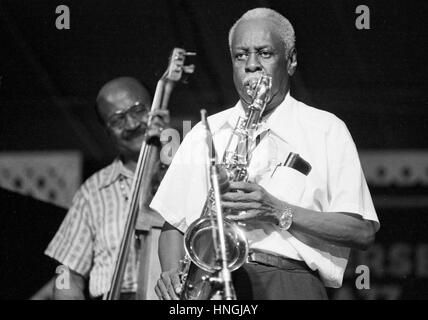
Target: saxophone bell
{"type": "Point", "coordinates": [200, 247]}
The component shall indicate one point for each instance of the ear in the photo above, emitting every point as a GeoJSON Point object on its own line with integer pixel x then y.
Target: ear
{"type": "Point", "coordinates": [107, 130]}
{"type": "Point", "coordinates": [292, 61]}
{"type": "Point", "coordinates": [109, 133]}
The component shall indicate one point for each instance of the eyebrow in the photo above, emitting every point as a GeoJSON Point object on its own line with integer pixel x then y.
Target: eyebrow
{"type": "Point", "coordinates": [265, 46]}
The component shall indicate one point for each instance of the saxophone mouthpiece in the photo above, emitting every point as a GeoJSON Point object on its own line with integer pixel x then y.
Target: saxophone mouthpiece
{"type": "Point", "coordinates": [251, 87]}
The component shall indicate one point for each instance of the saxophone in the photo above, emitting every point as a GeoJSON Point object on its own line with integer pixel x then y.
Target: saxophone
{"type": "Point", "coordinates": [199, 268]}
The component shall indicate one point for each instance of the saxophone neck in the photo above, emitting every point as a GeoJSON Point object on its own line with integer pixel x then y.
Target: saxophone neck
{"type": "Point", "coordinates": [253, 118]}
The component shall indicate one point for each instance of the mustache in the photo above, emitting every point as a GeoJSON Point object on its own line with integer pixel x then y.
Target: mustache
{"type": "Point", "coordinates": [134, 133]}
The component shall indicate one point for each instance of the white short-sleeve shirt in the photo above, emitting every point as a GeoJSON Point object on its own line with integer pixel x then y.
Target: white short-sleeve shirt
{"type": "Point", "coordinates": [336, 182]}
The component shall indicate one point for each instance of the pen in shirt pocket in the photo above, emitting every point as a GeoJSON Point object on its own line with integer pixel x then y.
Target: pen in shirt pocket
{"type": "Point", "coordinates": [295, 161]}
{"type": "Point", "coordinates": [286, 162]}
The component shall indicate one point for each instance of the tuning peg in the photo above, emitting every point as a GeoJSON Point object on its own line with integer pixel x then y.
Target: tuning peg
{"type": "Point", "coordinates": [189, 69]}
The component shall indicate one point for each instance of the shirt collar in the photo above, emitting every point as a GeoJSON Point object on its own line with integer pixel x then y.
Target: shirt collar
{"type": "Point", "coordinates": [114, 172]}
{"type": "Point", "coordinates": [282, 120]}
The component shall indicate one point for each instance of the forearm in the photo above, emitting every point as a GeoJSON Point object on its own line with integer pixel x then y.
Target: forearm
{"type": "Point", "coordinates": [46, 292]}
{"type": "Point", "coordinates": [254, 202]}
{"type": "Point", "coordinates": [69, 294]}
{"type": "Point", "coordinates": [171, 249]}
{"type": "Point", "coordinates": [345, 229]}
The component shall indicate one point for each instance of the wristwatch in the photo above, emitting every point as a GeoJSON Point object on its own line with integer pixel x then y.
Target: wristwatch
{"type": "Point", "coordinates": [285, 219]}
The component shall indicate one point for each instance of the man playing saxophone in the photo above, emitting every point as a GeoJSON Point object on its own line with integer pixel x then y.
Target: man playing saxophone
{"type": "Point", "coordinates": [300, 221]}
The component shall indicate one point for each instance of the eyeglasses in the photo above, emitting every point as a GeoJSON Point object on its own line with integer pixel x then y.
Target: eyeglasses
{"type": "Point", "coordinates": [137, 111]}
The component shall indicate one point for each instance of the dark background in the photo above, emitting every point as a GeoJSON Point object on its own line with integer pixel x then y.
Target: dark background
{"type": "Point", "coordinates": [375, 80]}
{"type": "Point", "coordinates": [27, 225]}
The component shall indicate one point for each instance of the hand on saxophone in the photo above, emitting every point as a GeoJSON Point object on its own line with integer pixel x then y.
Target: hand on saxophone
{"type": "Point", "coordinates": [254, 201]}
{"type": "Point", "coordinates": [169, 285]}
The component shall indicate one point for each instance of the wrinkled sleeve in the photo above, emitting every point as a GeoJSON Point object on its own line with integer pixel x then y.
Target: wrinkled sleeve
{"type": "Point", "coordinates": [181, 194]}
{"type": "Point", "coordinates": [73, 243]}
{"type": "Point", "coordinates": [347, 186]}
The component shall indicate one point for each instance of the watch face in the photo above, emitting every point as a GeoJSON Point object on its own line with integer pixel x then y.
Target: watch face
{"type": "Point", "coordinates": [285, 220]}
{"type": "Point", "coordinates": [286, 224]}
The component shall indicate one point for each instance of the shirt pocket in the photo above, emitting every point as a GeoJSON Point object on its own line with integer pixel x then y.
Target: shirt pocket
{"type": "Point", "coordinates": [286, 184]}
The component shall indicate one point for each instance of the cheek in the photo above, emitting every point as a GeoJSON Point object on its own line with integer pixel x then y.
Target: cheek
{"type": "Point", "coordinates": [118, 141]}
{"type": "Point", "coordinates": [280, 77]}
{"type": "Point", "coordinates": [114, 137]}
{"type": "Point", "coordinates": [238, 77]}
{"type": "Point", "coordinates": [271, 68]}
{"type": "Point", "coordinates": [237, 73]}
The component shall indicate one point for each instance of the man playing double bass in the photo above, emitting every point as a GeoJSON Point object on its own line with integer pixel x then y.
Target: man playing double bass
{"type": "Point", "coordinates": [88, 240]}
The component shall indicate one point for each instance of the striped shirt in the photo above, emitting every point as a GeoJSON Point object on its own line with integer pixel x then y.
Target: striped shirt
{"type": "Point", "coordinates": [88, 239]}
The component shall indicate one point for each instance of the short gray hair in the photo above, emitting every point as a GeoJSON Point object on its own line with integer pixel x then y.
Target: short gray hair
{"type": "Point", "coordinates": [285, 29]}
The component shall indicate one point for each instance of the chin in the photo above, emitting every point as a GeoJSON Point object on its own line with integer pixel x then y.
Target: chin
{"type": "Point", "coordinates": [136, 146]}
{"type": "Point", "coordinates": [133, 146]}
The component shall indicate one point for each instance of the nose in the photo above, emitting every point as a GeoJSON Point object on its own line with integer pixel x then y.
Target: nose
{"type": "Point", "coordinates": [131, 123]}
{"type": "Point", "coordinates": [253, 64]}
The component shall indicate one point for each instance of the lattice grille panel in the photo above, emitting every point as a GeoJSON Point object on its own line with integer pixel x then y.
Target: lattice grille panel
{"type": "Point", "coordinates": [53, 177]}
